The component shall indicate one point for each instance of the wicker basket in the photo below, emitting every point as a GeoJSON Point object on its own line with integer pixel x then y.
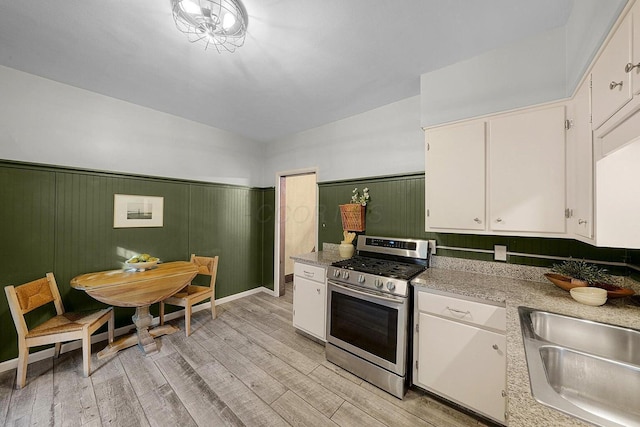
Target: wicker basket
{"type": "Point", "coordinates": [352, 217]}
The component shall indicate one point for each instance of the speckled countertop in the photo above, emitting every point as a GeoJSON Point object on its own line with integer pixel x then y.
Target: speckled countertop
{"type": "Point", "coordinates": [523, 410]}
{"type": "Point", "coordinates": [322, 258]}
{"type": "Point", "coordinates": [514, 286]}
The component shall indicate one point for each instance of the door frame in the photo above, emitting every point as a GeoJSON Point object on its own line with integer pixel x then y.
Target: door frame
{"type": "Point", "coordinates": [278, 246]}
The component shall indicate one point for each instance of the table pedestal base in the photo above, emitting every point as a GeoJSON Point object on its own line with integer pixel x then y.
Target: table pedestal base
{"type": "Point", "coordinates": [143, 337]}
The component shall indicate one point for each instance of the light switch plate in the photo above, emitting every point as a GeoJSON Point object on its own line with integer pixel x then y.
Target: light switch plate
{"type": "Point", "coordinates": [500, 253]}
{"type": "Point", "coordinates": [432, 245]}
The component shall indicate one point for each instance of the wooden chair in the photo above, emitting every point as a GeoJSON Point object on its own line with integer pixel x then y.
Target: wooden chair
{"type": "Point", "coordinates": [192, 294]}
{"type": "Point", "coordinates": [63, 327]}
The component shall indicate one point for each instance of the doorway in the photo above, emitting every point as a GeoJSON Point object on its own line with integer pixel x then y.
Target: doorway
{"type": "Point", "coordinates": [297, 224]}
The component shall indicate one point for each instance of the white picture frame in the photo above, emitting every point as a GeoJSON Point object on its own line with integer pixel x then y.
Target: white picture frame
{"type": "Point", "coordinates": [131, 211]}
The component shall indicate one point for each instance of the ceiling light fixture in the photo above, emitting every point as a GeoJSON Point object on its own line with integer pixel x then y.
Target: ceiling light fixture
{"type": "Point", "coordinates": [221, 23]}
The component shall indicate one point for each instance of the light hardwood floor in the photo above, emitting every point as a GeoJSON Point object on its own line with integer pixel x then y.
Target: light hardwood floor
{"type": "Point", "coordinates": [247, 367]}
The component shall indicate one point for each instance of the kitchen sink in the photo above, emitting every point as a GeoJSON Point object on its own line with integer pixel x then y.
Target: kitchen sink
{"type": "Point", "coordinates": [587, 369]}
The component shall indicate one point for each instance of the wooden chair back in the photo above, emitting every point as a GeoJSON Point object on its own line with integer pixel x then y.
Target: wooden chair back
{"type": "Point", "coordinates": [29, 296]}
{"type": "Point", "coordinates": [207, 266]}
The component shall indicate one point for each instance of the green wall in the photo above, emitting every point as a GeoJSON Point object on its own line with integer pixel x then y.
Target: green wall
{"type": "Point", "coordinates": [61, 220]}
{"type": "Point", "coordinates": [397, 209]}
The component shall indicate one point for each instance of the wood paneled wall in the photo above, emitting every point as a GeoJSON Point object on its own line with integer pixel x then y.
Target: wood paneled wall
{"type": "Point", "coordinates": [61, 220]}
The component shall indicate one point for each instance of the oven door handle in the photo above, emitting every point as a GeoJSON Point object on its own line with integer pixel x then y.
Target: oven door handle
{"type": "Point", "coordinates": [367, 294]}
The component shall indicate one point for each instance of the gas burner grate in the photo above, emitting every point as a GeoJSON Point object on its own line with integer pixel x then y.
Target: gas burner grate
{"type": "Point", "coordinates": [381, 267]}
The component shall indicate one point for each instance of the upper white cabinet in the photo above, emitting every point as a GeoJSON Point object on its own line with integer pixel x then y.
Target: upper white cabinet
{"type": "Point", "coordinates": [527, 171]}
{"type": "Point", "coordinates": [617, 201]}
{"type": "Point", "coordinates": [634, 66]}
{"type": "Point", "coordinates": [456, 176]}
{"type": "Point", "coordinates": [504, 174]}
{"type": "Point", "coordinates": [580, 164]}
{"type": "Point", "coordinates": [611, 83]}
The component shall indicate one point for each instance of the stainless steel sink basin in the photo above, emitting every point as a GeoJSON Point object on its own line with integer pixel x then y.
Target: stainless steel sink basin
{"type": "Point", "coordinates": [587, 369]}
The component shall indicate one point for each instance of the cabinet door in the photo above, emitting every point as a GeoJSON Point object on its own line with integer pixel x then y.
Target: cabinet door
{"type": "Point", "coordinates": [617, 204]}
{"type": "Point", "coordinates": [309, 306]}
{"type": "Point", "coordinates": [635, 48]}
{"type": "Point", "coordinates": [455, 177]}
{"type": "Point", "coordinates": [580, 164]}
{"type": "Point", "coordinates": [527, 171]}
{"type": "Point", "coordinates": [463, 363]}
{"type": "Point", "coordinates": [611, 83]}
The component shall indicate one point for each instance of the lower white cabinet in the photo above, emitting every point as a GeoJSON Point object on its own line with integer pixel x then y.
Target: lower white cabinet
{"type": "Point", "coordinates": [310, 299]}
{"type": "Point", "coordinates": [460, 352]}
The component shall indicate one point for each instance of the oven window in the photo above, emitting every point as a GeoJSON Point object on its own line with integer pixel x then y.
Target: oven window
{"type": "Point", "coordinates": [369, 326]}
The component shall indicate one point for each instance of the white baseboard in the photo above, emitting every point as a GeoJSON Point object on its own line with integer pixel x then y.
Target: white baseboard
{"type": "Point", "coordinates": [73, 345]}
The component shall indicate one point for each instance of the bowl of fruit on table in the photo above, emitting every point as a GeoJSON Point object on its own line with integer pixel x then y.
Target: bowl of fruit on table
{"type": "Point", "coordinates": [141, 262]}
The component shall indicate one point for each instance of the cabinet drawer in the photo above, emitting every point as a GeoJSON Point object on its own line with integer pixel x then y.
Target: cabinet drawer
{"type": "Point", "coordinates": [311, 272]}
{"type": "Point", "coordinates": [472, 312]}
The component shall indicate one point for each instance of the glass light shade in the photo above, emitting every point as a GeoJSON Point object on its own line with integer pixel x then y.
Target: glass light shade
{"type": "Point", "coordinates": [221, 23]}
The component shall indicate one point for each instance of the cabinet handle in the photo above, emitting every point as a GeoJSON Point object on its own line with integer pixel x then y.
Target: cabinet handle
{"type": "Point", "coordinates": [630, 66]}
{"type": "Point", "coordinates": [495, 346]}
{"type": "Point", "coordinates": [318, 290]}
{"type": "Point", "coordinates": [308, 273]}
{"type": "Point", "coordinates": [613, 85]}
{"type": "Point", "coordinates": [477, 220]}
{"type": "Point", "coordinates": [464, 313]}
{"type": "Point", "coordinates": [582, 221]}
{"type": "Point", "coordinates": [499, 220]}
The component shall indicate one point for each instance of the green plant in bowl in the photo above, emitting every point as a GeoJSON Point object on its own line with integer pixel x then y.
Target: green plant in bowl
{"type": "Point", "coordinates": [582, 271]}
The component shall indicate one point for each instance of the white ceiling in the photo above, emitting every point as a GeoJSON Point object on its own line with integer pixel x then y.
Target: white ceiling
{"type": "Point", "coordinates": [305, 63]}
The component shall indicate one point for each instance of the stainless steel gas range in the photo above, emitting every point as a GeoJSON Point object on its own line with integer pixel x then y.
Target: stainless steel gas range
{"type": "Point", "coordinates": [369, 308]}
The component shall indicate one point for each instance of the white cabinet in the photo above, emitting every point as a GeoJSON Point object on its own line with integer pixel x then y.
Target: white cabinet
{"type": "Point", "coordinates": [310, 299]}
{"type": "Point", "coordinates": [635, 50]}
{"type": "Point", "coordinates": [611, 84]}
{"type": "Point", "coordinates": [460, 352]}
{"type": "Point", "coordinates": [617, 201]}
{"type": "Point", "coordinates": [508, 169]}
{"type": "Point", "coordinates": [456, 176]}
{"type": "Point", "coordinates": [580, 164]}
{"type": "Point", "coordinates": [527, 171]}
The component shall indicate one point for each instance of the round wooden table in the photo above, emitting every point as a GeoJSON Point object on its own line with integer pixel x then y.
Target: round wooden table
{"type": "Point", "coordinates": [139, 289]}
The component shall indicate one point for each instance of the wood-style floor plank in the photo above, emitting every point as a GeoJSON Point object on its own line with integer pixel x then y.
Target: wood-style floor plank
{"type": "Point", "coordinates": [427, 408]}
{"type": "Point", "coordinates": [163, 407]}
{"type": "Point", "coordinates": [299, 413]}
{"type": "Point", "coordinates": [74, 399]}
{"type": "Point", "coordinates": [6, 387]}
{"type": "Point", "coordinates": [34, 402]}
{"type": "Point", "coordinates": [118, 403]}
{"type": "Point", "coordinates": [247, 367]}
{"type": "Point", "coordinates": [249, 408]}
{"type": "Point", "coordinates": [371, 404]}
{"type": "Point", "coordinates": [318, 396]}
{"type": "Point", "coordinates": [348, 415]}
{"type": "Point", "coordinates": [289, 355]}
{"type": "Point", "coordinates": [204, 404]}
{"type": "Point", "coordinates": [283, 313]}
{"type": "Point", "coordinates": [257, 380]}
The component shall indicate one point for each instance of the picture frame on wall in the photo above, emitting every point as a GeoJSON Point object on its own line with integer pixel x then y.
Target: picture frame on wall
{"type": "Point", "coordinates": [130, 211]}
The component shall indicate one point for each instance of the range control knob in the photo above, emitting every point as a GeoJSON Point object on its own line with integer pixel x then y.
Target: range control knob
{"type": "Point", "coordinates": [378, 283]}
{"type": "Point", "coordinates": [391, 286]}
{"type": "Point", "coordinates": [345, 274]}
{"type": "Point", "coordinates": [336, 273]}
{"type": "Point", "coordinates": [361, 278]}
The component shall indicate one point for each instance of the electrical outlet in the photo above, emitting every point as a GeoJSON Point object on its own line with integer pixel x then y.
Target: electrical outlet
{"type": "Point", "coordinates": [499, 253]}
{"type": "Point", "coordinates": [432, 246]}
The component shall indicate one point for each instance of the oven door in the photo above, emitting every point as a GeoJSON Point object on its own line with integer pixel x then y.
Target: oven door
{"type": "Point", "coordinates": [370, 325]}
